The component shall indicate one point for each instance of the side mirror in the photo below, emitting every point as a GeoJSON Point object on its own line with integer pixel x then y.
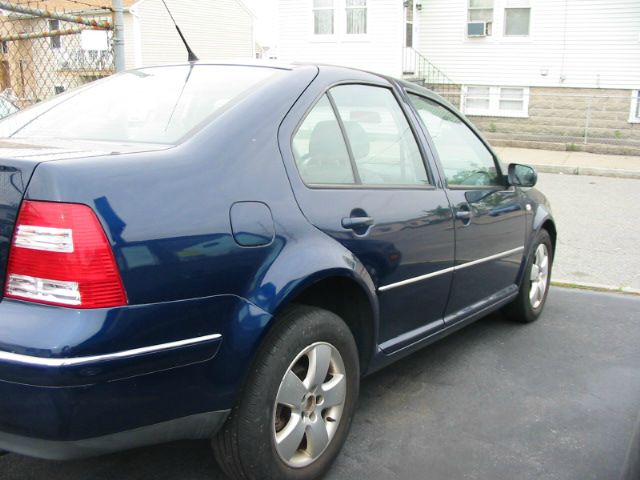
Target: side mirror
{"type": "Point", "coordinates": [522, 175]}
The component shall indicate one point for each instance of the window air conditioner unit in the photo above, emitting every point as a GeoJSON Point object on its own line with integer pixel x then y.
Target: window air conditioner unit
{"type": "Point", "coordinates": [477, 29]}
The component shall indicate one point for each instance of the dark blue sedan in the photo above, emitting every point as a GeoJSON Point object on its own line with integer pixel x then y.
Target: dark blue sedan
{"type": "Point", "coordinates": [221, 252]}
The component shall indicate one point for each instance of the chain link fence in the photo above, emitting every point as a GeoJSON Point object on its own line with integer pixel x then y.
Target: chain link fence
{"type": "Point", "coordinates": [48, 47]}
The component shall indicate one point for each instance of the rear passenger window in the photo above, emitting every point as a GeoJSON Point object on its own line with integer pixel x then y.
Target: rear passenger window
{"type": "Point", "coordinates": [379, 148]}
{"type": "Point", "coordinates": [382, 143]}
{"type": "Point", "coordinates": [319, 148]}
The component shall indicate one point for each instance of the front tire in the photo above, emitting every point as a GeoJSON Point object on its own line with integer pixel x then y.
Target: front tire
{"type": "Point", "coordinates": [295, 412]}
{"type": "Point", "coordinates": [534, 289]}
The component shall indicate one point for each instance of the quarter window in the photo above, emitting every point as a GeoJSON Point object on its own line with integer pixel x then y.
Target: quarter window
{"type": "Point", "coordinates": [356, 17]}
{"type": "Point", "coordinates": [517, 18]}
{"type": "Point", "coordinates": [465, 159]}
{"type": "Point", "coordinates": [320, 150]}
{"type": "Point", "coordinates": [323, 17]}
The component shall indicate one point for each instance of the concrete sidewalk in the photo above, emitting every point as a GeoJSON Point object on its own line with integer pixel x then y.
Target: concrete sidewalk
{"type": "Point", "coordinates": [573, 163]}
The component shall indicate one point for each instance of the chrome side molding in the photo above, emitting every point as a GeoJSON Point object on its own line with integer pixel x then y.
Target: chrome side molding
{"type": "Point", "coordinates": [450, 269]}
{"type": "Point", "coordinates": [67, 362]}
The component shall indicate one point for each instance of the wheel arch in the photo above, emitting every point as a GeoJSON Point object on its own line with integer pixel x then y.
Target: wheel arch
{"type": "Point", "coordinates": [550, 226]}
{"type": "Point", "coordinates": [541, 220]}
{"type": "Point", "coordinates": [349, 297]}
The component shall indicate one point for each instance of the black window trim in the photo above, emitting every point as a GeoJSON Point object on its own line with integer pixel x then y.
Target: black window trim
{"type": "Point", "coordinates": [431, 178]}
{"type": "Point", "coordinates": [345, 137]}
{"type": "Point", "coordinates": [496, 162]}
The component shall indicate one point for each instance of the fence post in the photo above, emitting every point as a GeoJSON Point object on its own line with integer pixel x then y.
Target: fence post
{"type": "Point", "coordinates": [587, 121]}
{"type": "Point", "coordinates": [118, 35]}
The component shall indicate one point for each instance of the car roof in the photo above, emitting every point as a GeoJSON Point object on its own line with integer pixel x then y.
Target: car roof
{"type": "Point", "coordinates": [279, 65]}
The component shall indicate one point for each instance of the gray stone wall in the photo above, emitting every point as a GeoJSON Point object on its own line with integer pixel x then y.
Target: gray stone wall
{"type": "Point", "coordinates": [593, 120]}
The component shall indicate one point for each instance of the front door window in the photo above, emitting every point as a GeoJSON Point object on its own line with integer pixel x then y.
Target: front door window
{"type": "Point", "coordinates": [464, 158]}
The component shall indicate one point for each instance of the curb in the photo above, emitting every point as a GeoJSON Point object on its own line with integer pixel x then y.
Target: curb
{"type": "Point", "coordinates": [593, 171]}
{"type": "Point", "coordinates": [595, 287]}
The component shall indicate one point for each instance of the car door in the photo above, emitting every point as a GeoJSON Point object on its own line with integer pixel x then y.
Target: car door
{"type": "Point", "coordinates": [362, 178]}
{"type": "Point", "coordinates": [490, 224]}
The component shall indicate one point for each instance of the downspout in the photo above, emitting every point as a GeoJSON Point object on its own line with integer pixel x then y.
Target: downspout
{"type": "Point", "coordinates": [564, 43]}
{"type": "Point", "coordinates": [137, 36]}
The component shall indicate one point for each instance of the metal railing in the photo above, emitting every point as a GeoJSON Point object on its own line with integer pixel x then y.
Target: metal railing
{"type": "Point", "coordinates": [417, 68]}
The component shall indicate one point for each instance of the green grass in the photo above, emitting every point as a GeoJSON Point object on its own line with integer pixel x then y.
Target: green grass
{"type": "Point", "coordinates": [593, 288]}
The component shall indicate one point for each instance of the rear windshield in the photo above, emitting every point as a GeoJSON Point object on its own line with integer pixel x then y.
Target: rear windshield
{"type": "Point", "coordinates": [151, 105]}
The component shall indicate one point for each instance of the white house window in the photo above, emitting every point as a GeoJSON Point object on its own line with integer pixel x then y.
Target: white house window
{"type": "Point", "coordinates": [634, 113]}
{"type": "Point", "coordinates": [356, 17]}
{"type": "Point", "coordinates": [323, 17]}
{"type": "Point", "coordinates": [517, 18]}
{"type": "Point", "coordinates": [480, 17]}
{"type": "Point", "coordinates": [478, 98]}
{"type": "Point", "coordinates": [55, 41]}
{"type": "Point", "coordinates": [495, 101]}
{"type": "Point", "coordinates": [408, 24]}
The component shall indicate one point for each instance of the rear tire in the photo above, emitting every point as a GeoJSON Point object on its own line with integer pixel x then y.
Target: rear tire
{"type": "Point", "coordinates": [534, 288]}
{"type": "Point", "coordinates": [295, 411]}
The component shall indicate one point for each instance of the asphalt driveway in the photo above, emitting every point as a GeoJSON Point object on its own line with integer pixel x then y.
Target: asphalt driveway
{"type": "Point", "coordinates": [557, 399]}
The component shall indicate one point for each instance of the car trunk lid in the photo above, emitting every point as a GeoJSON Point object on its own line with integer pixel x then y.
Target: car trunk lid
{"type": "Point", "coordinates": [18, 161]}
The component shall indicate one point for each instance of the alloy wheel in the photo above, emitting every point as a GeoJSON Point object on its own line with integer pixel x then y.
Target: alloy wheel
{"type": "Point", "coordinates": [539, 276]}
{"type": "Point", "coordinates": [309, 404]}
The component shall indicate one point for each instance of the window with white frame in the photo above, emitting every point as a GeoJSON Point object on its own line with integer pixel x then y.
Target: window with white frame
{"type": "Point", "coordinates": [56, 41]}
{"type": "Point", "coordinates": [517, 18]}
{"type": "Point", "coordinates": [480, 11]}
{"type": "Point", "coordinates": [495, 101]}
{"type": "Point", "coordinates": [323, 17]}
{"type": "Point", "coordinates": [356, 17]}
{"type": "Point", "coordinates": [634, 112]}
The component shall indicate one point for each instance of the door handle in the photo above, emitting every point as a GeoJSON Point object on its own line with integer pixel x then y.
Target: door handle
{"type": "Point", "coordinates": [356, 222]}
{"type": "Point", "coordinates": [463, 212]}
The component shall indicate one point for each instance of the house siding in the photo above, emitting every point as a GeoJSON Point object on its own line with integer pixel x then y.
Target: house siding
{"type": "Point", "coordinates": [223, 29]}
{"type": "Point", "coordinates": [594, 44]}
{"type": "Point", "coordinates": [379, 51]}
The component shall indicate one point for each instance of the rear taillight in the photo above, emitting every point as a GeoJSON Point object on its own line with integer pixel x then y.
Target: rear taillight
{"type": "Point", "coordinates": [60, 256]}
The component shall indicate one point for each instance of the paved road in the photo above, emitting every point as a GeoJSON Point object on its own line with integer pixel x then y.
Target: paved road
{"type": "Point", "coordinates": [557, 399]}
{"type": "Point", "coordinates": [597, 229]}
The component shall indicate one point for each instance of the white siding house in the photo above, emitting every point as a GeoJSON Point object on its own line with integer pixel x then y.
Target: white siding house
{"type": "Point", "coordinates": [568, 43]}
{"type": "Point", "coordinates": [565, 72]}
{"type": "Point", "coordinates": [332, 31]}
{"type": "Point", "coordinates": [214, 29]}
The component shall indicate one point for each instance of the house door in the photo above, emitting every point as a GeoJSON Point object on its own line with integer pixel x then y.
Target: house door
{"type": "Point", "coordinates": [409, 40]}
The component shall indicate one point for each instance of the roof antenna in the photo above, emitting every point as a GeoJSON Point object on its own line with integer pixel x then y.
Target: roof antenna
{"type": "Point", "coordinates": [192, 56]}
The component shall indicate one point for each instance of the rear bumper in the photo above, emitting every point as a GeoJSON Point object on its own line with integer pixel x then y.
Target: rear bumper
{"type": "Point", "coordinates": [92, 369]}
{"type": "Point", "coordinates": [199, 426]}
{"type": "Point", "coordinates": [77, 383]}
